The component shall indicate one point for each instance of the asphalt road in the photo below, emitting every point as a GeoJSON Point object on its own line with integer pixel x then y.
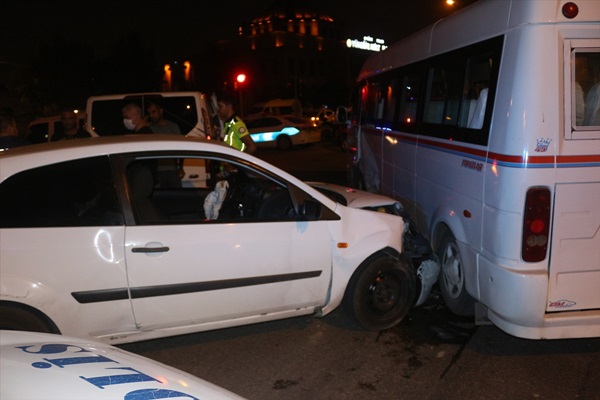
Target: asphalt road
{"type": "Point", "coordinates": [431, 355]}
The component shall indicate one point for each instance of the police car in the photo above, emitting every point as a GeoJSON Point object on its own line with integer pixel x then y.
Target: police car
{"type": "Point", "coordinates": [102, 239]}
{"type": "Point", "coordinates": [53, 367]}
{"type": "Point", "coordinates": [282, 132]}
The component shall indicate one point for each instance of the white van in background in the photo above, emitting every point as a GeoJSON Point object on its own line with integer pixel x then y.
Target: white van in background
{"type": "Point", "coordinates": [190, 110]}
{"type": "Point", "coordinates": [276, 107]}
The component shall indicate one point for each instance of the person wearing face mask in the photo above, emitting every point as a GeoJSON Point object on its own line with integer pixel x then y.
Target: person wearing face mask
{"type": "Point", "coordinates": [134, 120]}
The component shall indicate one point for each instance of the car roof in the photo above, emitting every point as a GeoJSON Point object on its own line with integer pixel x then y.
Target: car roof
{"type": "Point", "coordinates": [34, 155]}
{"type": "Point", "coordinates": [91, 145]}
{"type": "Point", "coordinates": [27, 157]}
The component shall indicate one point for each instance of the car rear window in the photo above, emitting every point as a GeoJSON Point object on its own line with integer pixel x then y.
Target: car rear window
{"type": "Point", "coordinates": [72, 193]}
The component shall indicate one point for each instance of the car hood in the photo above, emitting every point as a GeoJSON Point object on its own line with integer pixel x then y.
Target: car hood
{"type": "Point", "coordinates": [47, 366]}
{"type": "Point", "coordinates": [354, 198]}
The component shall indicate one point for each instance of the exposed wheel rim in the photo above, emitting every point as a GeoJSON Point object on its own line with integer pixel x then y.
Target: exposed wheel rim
{"type": "Point", "coordinates": [452, 271]}
{"type": "Point", "coordinates": [384, 292]}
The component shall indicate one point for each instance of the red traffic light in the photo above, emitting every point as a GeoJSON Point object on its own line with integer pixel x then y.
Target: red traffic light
{"type": "Point", "coordinates": [241, 78]}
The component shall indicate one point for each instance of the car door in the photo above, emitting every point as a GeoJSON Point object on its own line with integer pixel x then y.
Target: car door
{"type": "Point", "coordinates": [252, 262]}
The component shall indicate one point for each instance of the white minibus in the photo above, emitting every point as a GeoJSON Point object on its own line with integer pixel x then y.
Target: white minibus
{"type": "Point", "coordinates": [486, 126]}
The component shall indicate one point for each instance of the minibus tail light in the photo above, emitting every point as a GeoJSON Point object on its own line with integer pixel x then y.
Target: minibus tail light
{"type": "Point", "coordinates": [570, 10]}
{"type": "Point", "coordinates": [536, 224]}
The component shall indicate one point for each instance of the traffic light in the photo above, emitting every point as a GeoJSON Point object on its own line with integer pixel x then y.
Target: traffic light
{"type": "Point", "coordinates": [240, 78]}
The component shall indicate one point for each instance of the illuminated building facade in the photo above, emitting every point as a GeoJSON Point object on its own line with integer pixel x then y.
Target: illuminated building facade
{"type": "Point", "coordinates": [293, 50]}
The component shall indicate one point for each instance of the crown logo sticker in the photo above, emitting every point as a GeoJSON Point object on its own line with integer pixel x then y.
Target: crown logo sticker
{"type": "Point", "coordinates": [542, 145]}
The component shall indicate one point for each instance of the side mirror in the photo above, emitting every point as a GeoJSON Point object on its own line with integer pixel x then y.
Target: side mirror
{"type": "Point", "coordinates": [310, 210]}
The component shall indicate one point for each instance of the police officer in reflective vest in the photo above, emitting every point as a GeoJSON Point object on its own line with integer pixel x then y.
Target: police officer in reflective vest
{"type": "Point", "coordinates": [236, 133]}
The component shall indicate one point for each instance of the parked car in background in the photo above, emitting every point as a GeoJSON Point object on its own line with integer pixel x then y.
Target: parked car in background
{"type": "Point", "coordinates": [334, 124]}
{"type": "Point", "coordinates": [53, 367]}
{"type": "Point", "coordinates": [41, 130]}
{"type": "Point", "coordinates": [324, 116]}
{"type": "Point", "coordinates": [99, 242]}
{"type": "Point", "coordinates": [282, 132]}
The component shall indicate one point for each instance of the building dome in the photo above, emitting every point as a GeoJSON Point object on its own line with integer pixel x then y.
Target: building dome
{"type": "Point", "coordinates": [292, 10]}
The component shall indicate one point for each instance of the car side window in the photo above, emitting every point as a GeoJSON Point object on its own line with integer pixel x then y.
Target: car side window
{"type": "Point", "coordinates": [191, 190]}
{"type": "Point", "coordinates": [269, 122]}
{"type": "Point", "coordinates": [67, 194]}
{"type": "Point", "coordinates": [255, 123]}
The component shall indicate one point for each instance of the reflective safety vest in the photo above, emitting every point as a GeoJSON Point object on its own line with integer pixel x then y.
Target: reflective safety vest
{"type": "Point", "coordinates": [235, 130]}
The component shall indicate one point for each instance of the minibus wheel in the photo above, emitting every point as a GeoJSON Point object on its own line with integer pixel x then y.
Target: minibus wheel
{"type": "Point", "coordinates": [452, 278]}
{"type": "Point", "coordinates": [381, 292]}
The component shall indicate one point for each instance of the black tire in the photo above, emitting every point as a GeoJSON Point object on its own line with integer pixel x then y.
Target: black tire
{"type": "Point", "coordinates": [381, 292]}
{"type": "Point", "coordinates": [18, 318]}
{"type": "Point", "coordinates": [284, 142]}
{"type": "Point", "coordinates": [452, 278]}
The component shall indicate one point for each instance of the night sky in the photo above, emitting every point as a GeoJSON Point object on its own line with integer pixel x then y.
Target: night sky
{"type": "Point", "coordinates": [176, 28]}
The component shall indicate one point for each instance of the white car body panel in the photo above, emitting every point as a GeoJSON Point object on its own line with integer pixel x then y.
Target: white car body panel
{"type": "Point", "coordinates": [356, 198]}
{"type": "Point", "coordinates": [53, 367]}
{"type": "Point", "coordinates": [73, 257]}
{"type": "Point", "coordinates": [229, 252]}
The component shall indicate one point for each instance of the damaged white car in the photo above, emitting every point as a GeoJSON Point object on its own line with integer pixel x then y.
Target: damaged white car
{"type": "Point", "coordinates": [109, 238]}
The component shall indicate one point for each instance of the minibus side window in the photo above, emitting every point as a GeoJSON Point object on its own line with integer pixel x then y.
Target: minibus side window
{"type": "Point", "coordinates": [436, 94]}
{"type": "Point", "coordinates": [443, 94]}
{"type": "Point", "coordinates": [390, 99]}
{"type": "Point", "coordinates": [409, 100]}
{"type": "Point", "coordinates": [582, 89]}
{"type": "Point", "coordinates": [373, 104]}
{"type": "Point", "coordinates": [475, 95]}
{"type": "Point", "coordinates": [586, 88]}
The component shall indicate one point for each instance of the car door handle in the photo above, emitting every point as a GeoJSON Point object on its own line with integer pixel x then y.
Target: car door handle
{"type": "Point", "coordinates": [150, 249]}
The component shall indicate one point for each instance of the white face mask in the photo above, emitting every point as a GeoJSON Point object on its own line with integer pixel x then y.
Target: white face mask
{"type": "Point", "coordinates": [128, 124]}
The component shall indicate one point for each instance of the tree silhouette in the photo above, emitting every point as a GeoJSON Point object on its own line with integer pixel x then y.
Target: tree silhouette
{"type": "Point", "coordinates": [67, 73]}
{"type": "Point", "coordinates": [64, 73]}
{"type": "Point", "coordinates": [130, 68]}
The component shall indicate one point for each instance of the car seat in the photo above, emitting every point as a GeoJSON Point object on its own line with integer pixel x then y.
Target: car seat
{"type": "Point", "coordinates": [141, 186]}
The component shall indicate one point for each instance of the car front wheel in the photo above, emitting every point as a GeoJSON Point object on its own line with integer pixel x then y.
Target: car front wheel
{"type": "Point", "coordinates": [381, 292]}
